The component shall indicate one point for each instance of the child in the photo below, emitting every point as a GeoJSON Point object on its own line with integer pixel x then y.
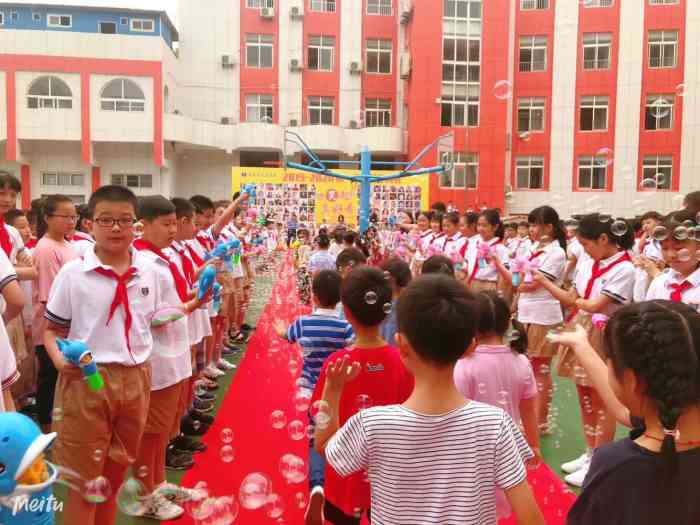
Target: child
{"type": "Point", "coordinates": [500, 374]}
{"type": "Point", "coordinates": [14, 300]}
{"type": "Point", "coordinates": [438, 264]}
{"type": "Point", "coordinates": [604, 283]}
{"type": "Point", "coordinates": [453, 241]}
{"type": "Point", "coordinates": [438, 457]}
{"type": "Point", "coordinates": [647, 251]}
{"type": "Point", "coordinates": [382, 380]}
{"type": "Point", "coordinates": [438, 237]}
{"type": "Point", "coordinates": [397, 271]}
{"type": "Point", "coordinates": [648, 478]}
{"type": "Point", "coordinates": [481, 271]}
{"type": "Point", "coordinates": [348, 260]}
{"type": "Point", "coordinates": [321, 259]}
{"type": "Point", "coordinates": [337, 245]}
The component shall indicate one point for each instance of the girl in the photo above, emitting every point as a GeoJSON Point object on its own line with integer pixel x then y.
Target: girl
{"type": "Point", "coordinates": [500, 374]}
{"type": "Point", "coordinates": [481, 272]}
{"type": "Point", "coordinates": [438, 237]}
{"type": "Point", "coordinates": [453, 242]}
{"type": "Point", "coordinates": [424, 238]}
{"type": "Point", "coordinates": [397, 271]}
{"type": "Point", "coordinates": [56, 221]}
{"type": "Point", "coordinates": [537, 309]}
{"type": "Point", "coordinates": [321, 259]}
{"type": "Point", "coordinates": [303, 253]}
{"type": "Point", "coordinates": [337, 244]}
{"type": "Point", "coordinates": [603, 284]}
{"type": "Point", "coordinates": [653, 371]}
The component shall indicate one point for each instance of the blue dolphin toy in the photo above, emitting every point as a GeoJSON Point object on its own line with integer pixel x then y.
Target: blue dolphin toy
{"type": "Point", "coordinates": [206, 280]}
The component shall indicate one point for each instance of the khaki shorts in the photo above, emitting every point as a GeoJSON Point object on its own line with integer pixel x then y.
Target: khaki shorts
{"type": "Point", "coordinates": [165, 409]}
{"type": "Point", "coordinates": [537, 344]}
{"type": "Point", "coordinates": [111, 420]}
{"type": "Point", "coordinates": [569, 365]}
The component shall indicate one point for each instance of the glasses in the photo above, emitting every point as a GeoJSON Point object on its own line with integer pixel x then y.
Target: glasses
{"type": "Point", "coordinates": [72, 218]}
{"type": "Point", "coordinates": [109, 222]}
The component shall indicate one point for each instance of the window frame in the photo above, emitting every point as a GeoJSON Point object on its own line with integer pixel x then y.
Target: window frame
{"type": "Point", "coordinates": [378, 50]}
{"type": "Point", "coordinates": [127, 104]}
{"type": "Point", "coordinates": [141, 21]}
{"type": "Point", "coordinates": [381, 9]}
{"type": "Point", "coordinates": [662, 44]}
{"type": "Point", "coordinates": [320, 50]}
{"type": "Point", "coordinates": [593, 163]}
{"type": "Point", "coordinates": [60, 19]}
{"type": "Point", "coordinates": [594, 106]}
{"type": "Point", "coordinates": [260, 4]}
{"type": "Point", "coordinates": [532, 105]}
{"type": "Point", "coordinates": [122, 179]}
{"type": "Point", "coordinates": [42, 100]}
{"type": "Point", "coordinates": [465, 163]}
{"type": "Point", "coordinates": [597, 46]}
{"type": "Point", "coordinates": [534, 46]}
{"type": "Point", "coordinates": [532, 162]}
{"type": "Point", "coordinates": [599, 3]}
{"type": "Point", "coordinates": [2, 18]}
{"type": "Point", "coordinates": [321, 6]}
{"type": "Point", "coordinates": [99, 27]}
{"type": "Point", "coordinates": [14, 16]}
{"type": "Point", "coordinates": [649, 105]}
{"type": "Point", "coordinates": [664, 2]}
{"type": "Point", "coordinates": [658, 167]}
{"type": "Point", "coordinates": [260, 44]}
{"type": "Point", "coordinates": [535, 3]}
{"type": "Point", "coordinates": [57, 174]}
{"type": "Point", "coordinates": [260, 106]}
{"type": "Point", "coordinates": [378, 113]}
{"type": "Point", "coordinates": [321, 108]}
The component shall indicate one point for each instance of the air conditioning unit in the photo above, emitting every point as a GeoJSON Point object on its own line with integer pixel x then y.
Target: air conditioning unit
{"type": "Point", "coordinates": [405, 65]}
{"type": "Point", "coordinates": [226, 121]}
{"type": "Point", "coordinates": [406, 11]}
{"type": "Point", "coordinates": [176, 112]}
{"type": "Point", "coordinates": [295, 64]}
{"type": "Point", "coordinates": [227, 61]}
{"type": "Point", "coordinates": [296, 13]}
{"type": "Point", "coordinates": [355, 68]}
{"type": "Point", "coordinates": [267, 13]}
{"type": "Point", "coordinates": [293, 123]}
{"type": "Point", "coordinates": [353, 124]}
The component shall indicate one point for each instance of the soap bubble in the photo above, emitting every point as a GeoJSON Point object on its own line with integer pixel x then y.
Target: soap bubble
{"type": "Point", "coordinates": [649, 184]}
{"type": "Point", "coordinates": [255, 489]}
{"type": "Point", "coordinates": [274, 506]}
{"type": "Point", "coordinates": [296, 430]}
{"type": "Point", "coordinates": [481, 388]}
{"type": "Point", "coordinates": [680, 90]}
{"type": "Point", "coordinates": [200, 509]}
{"type": "Point", "coordinates": [293, 468]}
{"type": "Point", "coordinates": [142, 471]}
{"type": "Point", "coordinates": [226, 435]}
{"type": "Point", "coordinates": [503, 89]}
{"type": "Point", "coordinates": [300, 500]}
{"type": "Point", "coordinates": [97, 490]}
{"type": "Point", "coordinates": [371, 298]}
{"type": "Point", "coordinates": [387, 308]}
{"type": "Point", "coordinates": [321, 413]}
{"type": "Point", "coordinates": [294, 366]}
{"type": "Point", "coordinates": [680, 233]}
{"type": "Point", "coordinates": [363, 402]}
{"type": "Point", "coordinates": [619, 228]}
{"type": "Point", "coordinates": [225, 510]}
{"type": "Point", "coordinates": [660, 108]}
{"type": "Point", "coordinates": [604, 157]}
{"type": "Point", "coordinates": [98, 455]}
{"type": "Point", "coordinates": [660, 179]}
{"type": "Point", "coordinates": [227, 453]}
{"type": "Point", "coordinates": [57, 414]}
{"type": "Point", "coordinates": [302, 399]}
{"type": "Point", "coordinates": [131, 496]}
{"type": "Point", "coordinates": [660, 233]}
{"type": "Point", "coordinates": [571, 223]}
{"type": "Point", "coordinates": [278, 419]}
{"type": "Point", "coordinates": [604, 217]}
{"type": "Point", "coordinates": [525, 136]}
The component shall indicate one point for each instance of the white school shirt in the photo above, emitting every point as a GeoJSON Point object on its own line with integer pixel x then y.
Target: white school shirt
{"type": "Point", "coordinates": [228, 234]}
{"type": "Point", "coordinates": [489, 272]}
{"type": "Point", "coordinates": [80, 300]}
{"type": "Point", "coordinates": [195, 329]}
{"type": "Point", "coordinates": [203, 312]}
{"type": "Point", "coordinates": [452, 245]}
{"type": "Point", "coordinates": [660, 287]}
{"type": "Point", "coordinates": [437, 241]}
{"type": "Point", "coordinates": [17, 242]}
{"type": "Point", "coordinates": [521, 246]}
{"type": "Point", "coordinates": [422, 245]}
{"type": "Point", "coordinates": [575, 249]}
{"type": "Point", "coordinates": [652, 251]}
{"type": "Point", "coordinates": [540, 307]}
{"type": "Point", "coordinates": [170, 361]}
{"type": "Point", "coordinates": [201, 253]}
{"type": "Point", "coordinates": [9, 374]}
{"type": "Point", "coordinates": [617, 283]}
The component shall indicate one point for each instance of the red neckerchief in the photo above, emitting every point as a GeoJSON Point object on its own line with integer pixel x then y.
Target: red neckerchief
{"type": "Point", "coordinates": [5, 241]}
{"type": "Point", "coordinates": [187, 264]}
{"type": "Point", "coordinates": [121, 297]}
{"type": "Point", "coordinates": [80, 236]}
{"type": "Point", "coordinates": [597, 274]}
{"type": "Point", "coordinates": [31, 244]}
{"type": "Point", "coordinates": [475, 267]}
{"type": "Point", "coordinates": [193, 255]}
{"type": "Point", "coordinates": [678, 289]}
{"type": "Point", "coordinates": [536, 255]}
{"type": "Point", "coordinates": [203, 241]}
{"type": "Point", "coordinates": [180, 282]}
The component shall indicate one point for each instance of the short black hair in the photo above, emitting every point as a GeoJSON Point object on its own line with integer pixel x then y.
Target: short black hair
{"type": "Point", "coordinates": [398, 270]}
{"type": "Point", "coordinates": [202, 203]}
{"type": "Point", "coordinates": [9, 182]}
{"type": "Point", "coordinates": [651, 215]}
{"type": "Point", "coordinates": [452, 217]}
{"type": "Point", "coordinates": [183, 207]}
{"type": "Point", "coordinates": [594, 225]}
{"type": "Point", "coordinates": [365, 292]}
{"type": "Point", "coordinates": [692, 201]}
{"type": "Point", "coordinates": [326, 287]}
{"type": "Point", "coordinates": [471, 217]}
{"type": "Point", "coordinates": [154, 206]}
{"type": "Point", "coordinates": [112, 193]}
{"type": "Point", "coordinates": [438, 264]}
{"type": "Point", "coordinates": [439, 318]}
{"type": "Point", "coordinates": [439, 207]}
{"type": "Point", "coordinates": [349, 237]}
{"type": "Point", "coordinates": [350, 257]}
{"type": "Point", "coordinates": [323, 241]}
{"type": "Point", "coordinates": [11, 215]}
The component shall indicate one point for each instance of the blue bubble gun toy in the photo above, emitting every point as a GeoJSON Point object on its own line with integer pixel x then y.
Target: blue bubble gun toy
{"type": "Point", "coordinates": [206, 280]}
{"type": "Point", "coordinates": [219, 252]}
{"type": "Point", "coordinates": [216, 296]}
{"type": "Point", "coordinates": [252, 192]}
{"type": "Point", "coordinates": [77, 353]}
{"type": "Point", "coordinates": [236, 249]}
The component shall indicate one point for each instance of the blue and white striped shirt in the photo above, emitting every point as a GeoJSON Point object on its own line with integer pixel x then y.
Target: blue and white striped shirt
{"type": "Point", "coordinates": [319, 335]}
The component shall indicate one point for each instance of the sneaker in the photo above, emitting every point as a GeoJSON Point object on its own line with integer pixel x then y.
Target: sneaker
{"type": "Point", "coordinates": [158, 507]}
{"type": "Point", "coordinates": [179, 494]}
{"type": "Point", "coordinates": [212, 371]}
{"type": "Point", "coordinates": [577, 478]}
{"type": "Point", "coordinates": [230, 350]}
{"type": "Point", "coordinates": [240, 338]}
{"type": "Point", "coordinates": [247, 328]}
{"type": "Point", "coordinates": [178, 459]}
{"type": "Point", "coordinates": [205, 396]}
{"type": "Point", "coordinates": [192, 427]}
{"type": "Point", "coordinates": [314, 511]}
{"type": "Point", "coordinates": [230, 342]}
{"type": "Point", "coordinates": [207, 384]}
{"type": "Point", "coordinates": [187, 444]}
{"type": "Point", "coordinates": [200, 416]}
{"type": "Point", "coordinates": [225, 365]}
{"type": "Point", "coordinates": [202, 406]}
{"type": "Point", "coordinates": [577, 464]}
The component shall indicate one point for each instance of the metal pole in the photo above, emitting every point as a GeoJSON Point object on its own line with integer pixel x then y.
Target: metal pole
{"type": "Point", "coordinates": [365, 188]}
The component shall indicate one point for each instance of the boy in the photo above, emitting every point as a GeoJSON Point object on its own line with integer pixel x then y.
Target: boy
{"type": "Point", "coordinates": [366, 296]}
{"type": "Point", "coordinates": [648, 252]}
{"type": "Point", "coordinates": [319, 335]}
{"type": "Point", "coordinates": [438, 457]}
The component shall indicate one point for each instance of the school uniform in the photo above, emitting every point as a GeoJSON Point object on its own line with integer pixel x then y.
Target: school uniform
{"type": "Point", "coordinates": [111, 314]}
{"type": "Point", "coordinates": [451, 246]}
{"type": "Point", "coordinates": [80, 242]}
{"type": "Point", "coordinates": [421, 254]}
{"type": "Point", "coordinates": [484, 276]}
{"type": "Point", "coordinates": [575, 250]}
{"type": "Point", "coordinates": [651, 249]}
{"type": "Point", "coordinates": [672, 286]}
{"type": "Point", "coordinates": [9, 374]}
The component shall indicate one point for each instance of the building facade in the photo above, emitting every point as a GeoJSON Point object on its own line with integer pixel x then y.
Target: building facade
{"type": "Point", "coordinates": [586, 105]}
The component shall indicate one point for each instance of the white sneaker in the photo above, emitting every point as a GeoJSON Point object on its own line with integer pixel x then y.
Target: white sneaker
{"type": "Point", "coordinates": [314, 511]}
{"type": "Point", "coordinates": [577, 478]}
{"type": "Point", "coordinates": [179, 494]}
{"type": "Point", "coordinates": [577, 464]}
{"type": "Point", "coordinates": [211, 369]}
{"type": "Point", "coordinates": [158, 507]}
{"type": "Point", "coordinates": [222, 363]}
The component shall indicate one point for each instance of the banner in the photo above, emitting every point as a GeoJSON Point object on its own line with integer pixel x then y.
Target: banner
{"type": "Point", "coordinates": [321, 199]}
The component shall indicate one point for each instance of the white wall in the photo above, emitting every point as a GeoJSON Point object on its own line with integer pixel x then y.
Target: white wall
{"type": "Point", "coordinates": [131, 159]}
{"type": "Point", "coordinates": [350, 50]}
{"type": "Point", "coordinates": [56, 157]}
{"type": "Point", "coordinates": [120, 126]}
{"type": "Point", "coordinates": [690, 152]}
{"type": "Point", "coordinates": [3, 107]}
{"type": "Point", "coordinates": [206, 173]}
{"type": "Point", "coordinates": [291, 43]}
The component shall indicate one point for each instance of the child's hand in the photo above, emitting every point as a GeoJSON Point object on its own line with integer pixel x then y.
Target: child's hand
{"type": "Point", "coordinates": [341, 372]}
{"type": "Point", "coordinates": [279, 328]}
{"type": "Point", "coordinates": [576, 339]}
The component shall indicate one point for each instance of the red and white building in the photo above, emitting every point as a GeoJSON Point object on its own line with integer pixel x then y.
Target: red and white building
{"type": "Point", "coordinates": [587, 105]}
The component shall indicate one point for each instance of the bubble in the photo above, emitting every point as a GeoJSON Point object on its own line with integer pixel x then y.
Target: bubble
{"type": "Point", "coordinates": [660, 233]}
{"type": "Point", "coordinates": [649, 184]}
{"type": "Point", "coordinates": [604, 157]}
{"type": "Point", "coordinates": [227, 453]}
{"type": "Point", "coordinates": [544, 370]}
{"type": "Point", "coordinates": [371, 298]}
{"type": "Point", "coordinates": [294, 366]}
{"type": "Point", "coordinates": [619, 228]}
{"type": "Point", "coordinates": [302, 399]}
{"type": "Point", "coordinates": [660, 179]}
{"type": "Point", "coordinates": [97, 490]}
{"type": "Point", "coordinates": [300, 500]}
{"type": "Point", "coordinates": [680, 233]}
{"type": "Point", "coordinates": [604, 217]}
{"type": "Point", "coordinates": [226, 435]}
{"type": "Point", "coordinates": [142, 471]}
{"type": "Point", "coordinates": [296, 430]}
{"type": "Point", "coordinates": [131, 496]}
{"type": "Point", "coordinates": [57, 414]}
{"type": "Point", "coordinates": [255, 489]}
{"type": "Point", "coordinates": [98, 455]}
{"type": "Point", "coordinates": [525, 136]}
{"type": "Point", "coordinates": [278, 419]}
{"type": "Point", "coordinates": [321, 413]}
{"type": "Point", "coordinates": [387, 308]}
{"type": "Point", "coordinates": [510, 197]}
{"type": "Point", "coordinates": [200, 509]}
{"type": "Point", "coordinates": [363, 402]}
{"type": "Point", "coordinates": [571, 224]}
{"type": "Point", "coordinates": [660, 108]}
{"type": "Point", "coordinates": [680, 90]}
{"type": "Point", "coordinates": [503, 90]}
{"type": "Point", "coordinates": [293, 468]}
{"type": "Point", "coordinates": [226, 510]}
{"type": "Point", "coordinates": [274, 506]}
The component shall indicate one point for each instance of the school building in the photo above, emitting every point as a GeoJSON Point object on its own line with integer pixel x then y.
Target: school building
{"type": "Point", "coordinates": [583, 104]}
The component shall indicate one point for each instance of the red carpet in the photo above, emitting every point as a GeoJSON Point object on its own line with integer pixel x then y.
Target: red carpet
{"type": "Point", "coordinates": [265, 383]}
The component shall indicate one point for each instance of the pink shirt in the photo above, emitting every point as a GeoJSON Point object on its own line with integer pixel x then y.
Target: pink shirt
{"type": "Point", "coordinates": [49, 257]}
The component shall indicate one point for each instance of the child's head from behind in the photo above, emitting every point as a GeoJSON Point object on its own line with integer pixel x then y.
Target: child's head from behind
{"type": "Point", "coordinates": [495, 321]}
{"type": "Point", "coordinates": [159, 220]}
{"type": "Point", "coordinates": [398, 272]}
{"type": "Point", "coordinates": [437, 321]}
{"type": "Point", "coordinates": [366, 296]}
{"type": "Point", "coordinates": [348, 260]}
{"type": "Point", "coordinates": [438, 264]}
{"type": "Point", "coordinates": [113, 209]}
{"type": "Point", "coordinates": [326, 288]}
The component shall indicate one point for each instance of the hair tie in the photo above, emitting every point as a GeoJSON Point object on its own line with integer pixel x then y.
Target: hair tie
{"type": "Point", "coordinates": [674, 433]}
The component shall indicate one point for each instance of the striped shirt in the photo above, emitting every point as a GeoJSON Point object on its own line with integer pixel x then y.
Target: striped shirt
{"type": "Point", "coordinates": [432, 468]}
{"type": "Point", "coordinates": [319, 335]}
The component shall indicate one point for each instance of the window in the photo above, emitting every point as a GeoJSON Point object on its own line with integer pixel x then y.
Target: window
{"type": "Point", "coordinates": [141, 25]}
{"type": "Point", "coordinates": [325, 6]}
{"type": "Point", "coordinates": [597, 3]}
{"type": "Point", "coordinates": [592, 173]}
{"type": "Point", "coordinates": [663, 2]}
{"type": "Point", "coordinates": [377, 113]}
{"type": "Point", "coordinates": [379, 7]}
{"type": "Point", "coordinates": [528, 5]}
{"type": "Point", "coordinates": [659, 112]}
{"type": "Point", "coordinates": [594, 113]}
{"type": "Point", "coordinates": [60, 21]}
{"type": "Point", "coordinates": [659, 169]}
{"type": "Point", "coordinates": [36, 17]}
{"type": "Point", "coordinates": [596, 50]}
{"type": "Point", "coordinates": [124, 21]}
{"type": "Point", "coordinates": [259, 4]}
{"type": "Point", "coordinates": [533, 53]}
{"type": "Point", "coordinates": [49, 93]}
{"type": "Point", "coordinates": [321, 110]}
{"type": "Point", "coordinates": [464, 173]}
{"type": "Point", "coordinates": [258, 108]}
{"type": "Point", "coordinates": [378, 56]}
{"type": "Point", "coordinates": [58, 178]}
{"type": "Point", "coordinates": [258, 50]}
{"type": "Point", "coordinates": [122, 94]}
{"type": "Point", "coordinates": [321, 53]}
{"type": "Point", "coordinates": [129, 180]}
{"type": "Point", "coordinates": [2, 18]}
{"type": "Point", "coordinates": [14, 16]}
{"type": "Point", "coordinates": [529, 173]}
{"type": "Point", "coordinates": [461, 63]}
{"type": "Point", "coordinates": [662, 48]}
{"type": "Point", "coordinates": [530, 114]}
{"type": "Point", "coordinates": [107, 28]}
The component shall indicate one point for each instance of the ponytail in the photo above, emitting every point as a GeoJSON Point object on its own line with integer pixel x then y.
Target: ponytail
{"type": "Point", "coordinates": [548, 215]}
{"type": "Point", "coordinates": [493, 217]}
{"type": "Point", "coordinates": [495, 318]}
